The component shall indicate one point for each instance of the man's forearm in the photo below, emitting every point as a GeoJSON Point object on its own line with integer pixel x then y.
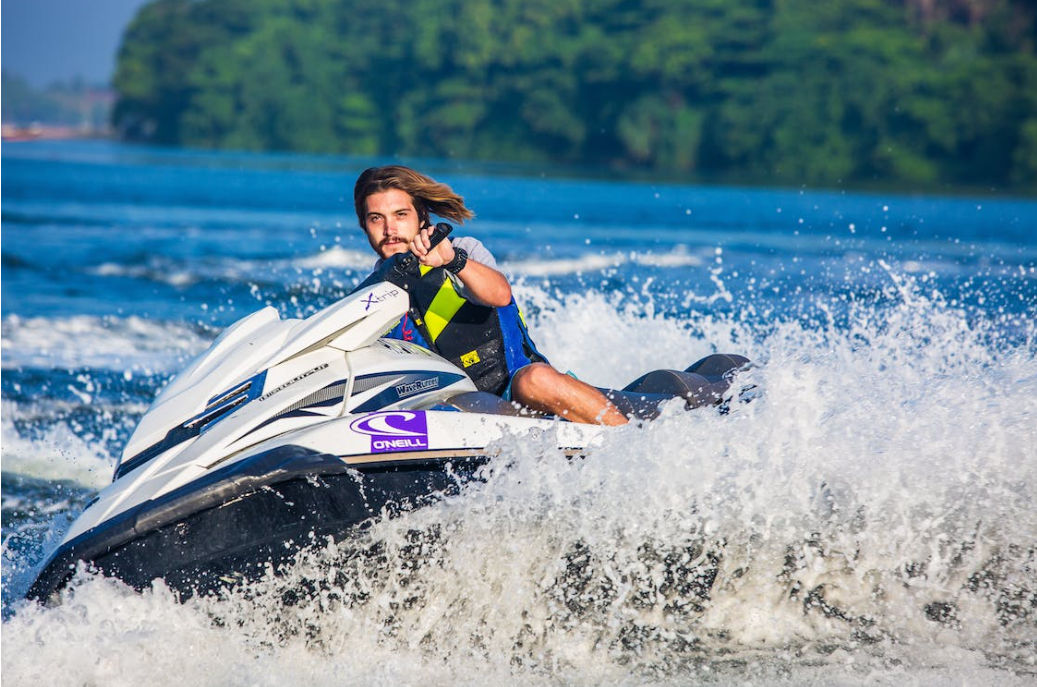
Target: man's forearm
{"type": "Point", "coordinates": [485, 283]}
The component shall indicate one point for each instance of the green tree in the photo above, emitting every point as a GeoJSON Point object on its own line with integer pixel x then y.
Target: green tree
{"type": "Point", "coordinates": [788, 90]}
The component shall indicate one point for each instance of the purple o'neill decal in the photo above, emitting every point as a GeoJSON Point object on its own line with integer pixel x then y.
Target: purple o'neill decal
{"type": "Point", "coordinates": [394, 430]}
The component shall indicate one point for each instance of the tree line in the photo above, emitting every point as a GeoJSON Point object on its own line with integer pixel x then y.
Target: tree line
{"type": "Point", "coordinates": [792, 91]}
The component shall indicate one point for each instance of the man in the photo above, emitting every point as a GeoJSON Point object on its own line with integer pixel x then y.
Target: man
{"type": "Point", "coordinates": [462, 307]}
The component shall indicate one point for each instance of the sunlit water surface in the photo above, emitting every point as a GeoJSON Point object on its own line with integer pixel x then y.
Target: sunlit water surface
{"type": "Point", "coordinates": [867, 520]}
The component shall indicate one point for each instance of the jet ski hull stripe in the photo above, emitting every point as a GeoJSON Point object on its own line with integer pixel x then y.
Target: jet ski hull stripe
{"type": "Point", "coordinates": [329, 396]}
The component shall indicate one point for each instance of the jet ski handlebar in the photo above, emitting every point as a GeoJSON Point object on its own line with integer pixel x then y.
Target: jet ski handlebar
{"type": "Point", "coordinates": [402, 269]}
{"type": "Point", "coordinates": [407, 263]}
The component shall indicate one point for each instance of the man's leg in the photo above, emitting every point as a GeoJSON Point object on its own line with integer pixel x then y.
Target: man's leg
{"type": "Point", "coordinates": [541, 387]}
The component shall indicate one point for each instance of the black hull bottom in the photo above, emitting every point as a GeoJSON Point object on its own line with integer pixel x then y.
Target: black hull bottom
{"type": "Point", "coordinates": [266, 510]}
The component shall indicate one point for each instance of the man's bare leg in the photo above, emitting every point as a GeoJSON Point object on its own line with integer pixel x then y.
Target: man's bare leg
{"type": "Point", "coordinates": [543, 388]}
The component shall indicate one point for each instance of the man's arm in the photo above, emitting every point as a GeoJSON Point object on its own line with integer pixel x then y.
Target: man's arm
{"type": "Point", "coordinates": [486, 284]}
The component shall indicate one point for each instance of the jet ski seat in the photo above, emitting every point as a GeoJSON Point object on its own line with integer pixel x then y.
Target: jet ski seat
{"type": "Point", "coordinates": [482, 402]}
{"type": "Point", "coordinates": [703, 383]}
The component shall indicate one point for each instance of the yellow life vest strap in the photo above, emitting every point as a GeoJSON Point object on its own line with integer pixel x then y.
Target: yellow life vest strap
{"type": "Point", "coordinates": [444, 306]}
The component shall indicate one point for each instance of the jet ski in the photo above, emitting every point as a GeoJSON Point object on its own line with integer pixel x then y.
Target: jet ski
{"type": "Point", "coordinates": [288, 431]}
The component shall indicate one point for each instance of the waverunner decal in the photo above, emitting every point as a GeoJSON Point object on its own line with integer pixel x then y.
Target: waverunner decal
{"type": "Point", "coordinates": [397, 387]}
{"type": "Point", "coordinates": [405, 390]}
{"type": "Point", "coordinates": [287, 384]}
{"type": "Point", "coordinates": [394, 430]}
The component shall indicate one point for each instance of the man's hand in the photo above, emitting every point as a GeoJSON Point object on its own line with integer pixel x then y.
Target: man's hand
{"type": "Point", "coordinates": [486, 284]}
{"type": "Point", "coordinates": [431, 257]}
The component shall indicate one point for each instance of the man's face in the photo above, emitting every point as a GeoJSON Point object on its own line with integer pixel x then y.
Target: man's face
{"type": "Point", "coordinates": [391, 222]}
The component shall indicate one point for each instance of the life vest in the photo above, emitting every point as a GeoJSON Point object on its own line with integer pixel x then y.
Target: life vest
{"type": "Point", "coordinates": [489, 344]}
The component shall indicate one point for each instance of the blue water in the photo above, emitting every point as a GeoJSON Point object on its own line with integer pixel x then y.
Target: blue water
{"type": "Point", "coordinates": [896, 356]}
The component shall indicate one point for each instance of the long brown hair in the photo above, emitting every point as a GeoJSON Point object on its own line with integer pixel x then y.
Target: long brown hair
{"type": "Point", "coordinates": [429, 195]}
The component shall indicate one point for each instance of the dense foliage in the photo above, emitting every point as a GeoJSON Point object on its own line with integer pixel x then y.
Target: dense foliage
{"type": "Point", "coordinates": [915, 91]}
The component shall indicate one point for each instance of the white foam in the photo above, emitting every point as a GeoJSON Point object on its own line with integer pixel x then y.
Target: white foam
{"type": "Point", "coordinates": [170, 273]}
{"type": "Point", "coordinates": [60, 454]}
{"type": "Point", "coordinates": [591, 263]}
{"type": "Point", "coordinates": [130, 343]}
{"type": "Point", "coordinates": [335, 257]}
{"type": "Point", "coordinates": [237, 270]}
{"type": "Point", "coordinates": [884, 472]}
{"type": "Point", "coordinates": [611, 339]}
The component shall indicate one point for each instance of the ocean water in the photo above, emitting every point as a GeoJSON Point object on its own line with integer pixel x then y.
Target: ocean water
{"type": "Point", "coordinates": [868, 519]}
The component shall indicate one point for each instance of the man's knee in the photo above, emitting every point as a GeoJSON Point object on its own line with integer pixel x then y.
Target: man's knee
{"type": "Point", "coordinates": [534, 380]}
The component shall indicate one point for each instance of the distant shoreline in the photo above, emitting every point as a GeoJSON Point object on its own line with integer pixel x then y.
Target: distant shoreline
{"type": "Point", "coordinates": [12, 133]}
{"type": "Point", "coordinates": [108, 136]}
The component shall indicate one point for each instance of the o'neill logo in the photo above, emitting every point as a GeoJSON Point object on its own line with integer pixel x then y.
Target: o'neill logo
{"type": "Point", "coordinates": [394, 430]}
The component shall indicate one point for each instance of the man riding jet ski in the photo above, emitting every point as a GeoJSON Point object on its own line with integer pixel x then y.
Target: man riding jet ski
{"type": "Point", "coordinates": [461, 306]}
{"type": "Point", "coordinates": [285, 432]}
